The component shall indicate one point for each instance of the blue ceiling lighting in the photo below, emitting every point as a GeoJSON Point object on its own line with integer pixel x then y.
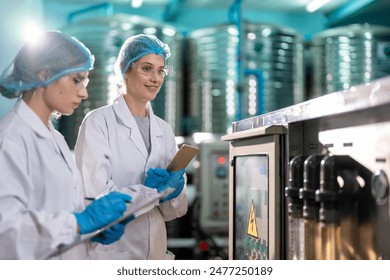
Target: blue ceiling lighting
{"type": "Point", "coordinates": [173, 9]}
{"type": "Point", "coordinates": [349, 9]}
{"type": "Point", "coordinates": [107, 7]}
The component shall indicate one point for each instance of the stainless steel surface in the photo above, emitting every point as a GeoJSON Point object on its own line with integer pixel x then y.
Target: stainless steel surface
{"type": "Point", "coordinates": [373, 94]}
{"type": "Point", "coordinates": [272, 59]}
{"type": "Point", "coordinates": [349, 55]}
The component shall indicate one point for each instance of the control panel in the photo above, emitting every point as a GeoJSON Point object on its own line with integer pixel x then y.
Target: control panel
{"type": "Point", "coordinates": [214, 186]}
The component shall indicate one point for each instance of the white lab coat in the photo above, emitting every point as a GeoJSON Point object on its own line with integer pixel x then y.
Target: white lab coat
{"type": "Point", "coordinates": [40, 187]}
{"type": "Point", "coordinates": [112, 155]}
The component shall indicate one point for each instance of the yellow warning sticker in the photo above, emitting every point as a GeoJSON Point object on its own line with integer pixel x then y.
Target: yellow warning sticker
{"type": "Point", "coordinates": [252, 226]}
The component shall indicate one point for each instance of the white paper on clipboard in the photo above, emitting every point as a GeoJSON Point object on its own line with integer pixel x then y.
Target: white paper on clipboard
{"type": "Point", "coordinates": [182, 157]}
{"type": "Point", "coordinates": [143, 207]}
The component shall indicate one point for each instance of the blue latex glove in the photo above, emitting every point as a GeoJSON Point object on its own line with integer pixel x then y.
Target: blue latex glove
{"type": "Point", "coordinates": [156, 178]}
{"type": "Point", "coordinates": [102, 211]}
{"type": "Point", "coordinates": [176, 181]}
{"type": "Point", "coordinates": [113, 233]}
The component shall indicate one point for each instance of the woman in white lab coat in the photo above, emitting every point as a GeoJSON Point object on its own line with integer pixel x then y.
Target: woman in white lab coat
{"type": "Point", "coordinates": [118, 144]}
{"type": "Point", "coordinates": [41, 193]}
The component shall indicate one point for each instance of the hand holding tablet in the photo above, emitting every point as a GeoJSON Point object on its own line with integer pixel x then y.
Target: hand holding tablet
{"type": "Point", "coordinates": [182, 158]}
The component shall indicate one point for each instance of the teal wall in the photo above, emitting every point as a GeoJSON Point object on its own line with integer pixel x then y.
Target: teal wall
{"type": "Point", "coordinates": [13, 14]}
{"type": "Point", "coordinates": [190, 19]}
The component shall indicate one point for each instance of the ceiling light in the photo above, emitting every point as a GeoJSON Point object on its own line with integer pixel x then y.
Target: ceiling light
{"type": "Point", "coordinates": [315, 5]}
{"type": "Point", "coordinates": [136, 3]}
{"type": "Point", "coordinates": [32, 32]}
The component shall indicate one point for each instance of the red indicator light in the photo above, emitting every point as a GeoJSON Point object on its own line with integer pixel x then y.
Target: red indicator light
{"type": "Point", "coordinates": [203, 246]}
{"type": "Point", "coordinates": [221, 160]}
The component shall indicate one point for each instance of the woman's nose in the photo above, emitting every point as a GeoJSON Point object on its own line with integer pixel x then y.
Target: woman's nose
{"type": "Point", "coordinates": [83, 93]}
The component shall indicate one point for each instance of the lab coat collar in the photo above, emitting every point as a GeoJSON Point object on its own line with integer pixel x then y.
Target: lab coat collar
{"type": "Point", "coordinates": [31, 119]}
{"type": "Point", "coordinates": [63, 149]}
{"type": "Point", "coordinates": [36, 124]}
{"type": "Point", "coordinates": [123, 112]}
{"type": "Point", "coordinates": [127, 119]}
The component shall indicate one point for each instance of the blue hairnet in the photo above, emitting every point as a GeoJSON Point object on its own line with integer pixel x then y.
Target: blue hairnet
{"type": "Point", "coordinates": [136, 47]}
{"type": "Point", "coordinates": [57, 53]}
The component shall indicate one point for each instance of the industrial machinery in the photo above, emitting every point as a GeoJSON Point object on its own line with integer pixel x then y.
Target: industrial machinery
{"type": "Point", "coordinates": [256, 202]}
{"type": "Point", "coordinates": [214, 187]}
{"type": "Point", "coordinates": [310, 181]}
{"type": "Point", "coordinates": [272, 71]}
{"type": "Point", "coordinates": [203, 232]}
{"type": "Point", "coordinates": [349, 55]}
{"type": "Point", "coordinates": [211, 217]}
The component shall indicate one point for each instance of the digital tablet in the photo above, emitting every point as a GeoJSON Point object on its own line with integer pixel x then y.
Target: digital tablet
{"type": "Point", "coordinates": [182, 158]}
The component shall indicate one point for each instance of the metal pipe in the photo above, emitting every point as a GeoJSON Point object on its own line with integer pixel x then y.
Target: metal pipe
{"type": "Point", "coordinates": [107, 6]}
{"type": "Point", "coordinates": [235, 15]}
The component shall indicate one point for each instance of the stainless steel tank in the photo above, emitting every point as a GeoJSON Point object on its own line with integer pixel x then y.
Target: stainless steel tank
{"type": "Point", "coordinates": [349, 55]}
{"type": "Point", "coordinates": [272, 73]}
{"type": "Point", "coordinates": [104, 36]}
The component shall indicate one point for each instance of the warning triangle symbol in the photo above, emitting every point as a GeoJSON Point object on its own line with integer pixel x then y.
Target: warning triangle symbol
{"type": "Point", "coordinates": [252, 226]}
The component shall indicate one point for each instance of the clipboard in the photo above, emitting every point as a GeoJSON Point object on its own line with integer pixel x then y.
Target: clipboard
{"type": "Point", "coordinates": [142, 208]}
{"type": "Point", "coordinates": [182, 157]}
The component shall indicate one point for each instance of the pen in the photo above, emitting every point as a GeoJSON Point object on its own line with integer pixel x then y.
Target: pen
{"type": "Point", "coordinates": [92, 199]}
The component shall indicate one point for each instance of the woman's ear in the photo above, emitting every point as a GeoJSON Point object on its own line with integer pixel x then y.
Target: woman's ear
{"type": "Point", "coordinates": [43, 75]}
